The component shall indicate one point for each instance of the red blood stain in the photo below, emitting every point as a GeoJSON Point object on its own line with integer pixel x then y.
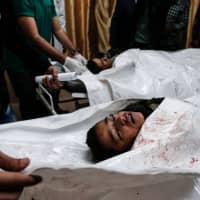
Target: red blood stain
{"type": "Point", "coordinates": [145, 141]}
{"type": "Point", "coordinates": [193, 160]}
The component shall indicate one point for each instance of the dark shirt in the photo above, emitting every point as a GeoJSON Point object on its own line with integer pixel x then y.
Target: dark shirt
{"type": "Point", "coordinates": [196, 28]}
{"type": "Point", "coordinates": [1, 43]}
{"type": "Point", "coordinates": [32, 58]}
{"type": "Point", "coordinates": [157, 14]}
{"type": "Point", "coordinates": [152, 14]}
{"type": "Point", "coordinates": [122, 24]}
{"type": "Point", "coordinates": [174, 37]}
{"type": "Point", "coordinates": [4, 98]}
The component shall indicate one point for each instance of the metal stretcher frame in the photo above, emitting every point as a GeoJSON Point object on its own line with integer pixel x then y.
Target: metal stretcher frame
{"type": "Point", "coordinates": [46, 97]}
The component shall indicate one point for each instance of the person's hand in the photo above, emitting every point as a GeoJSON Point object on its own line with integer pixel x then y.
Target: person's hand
{"type": "Point", "coordinates": [52, 82]}
{"type": "Point", "coordinates": [74, 66]}
{"type": "Point", "coordinates": [80, 59]}
{"type": "Point", "coordinates": [12, 181]}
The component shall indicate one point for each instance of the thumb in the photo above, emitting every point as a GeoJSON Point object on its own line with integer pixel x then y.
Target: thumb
{"type": "Point", "coordinates": [10, 195]}
{"type": "Point", "coordinates": [10, 180]}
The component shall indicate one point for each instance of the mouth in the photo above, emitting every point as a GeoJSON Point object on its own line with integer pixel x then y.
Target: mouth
{"type": "Point", "coordinates": [130, 118]}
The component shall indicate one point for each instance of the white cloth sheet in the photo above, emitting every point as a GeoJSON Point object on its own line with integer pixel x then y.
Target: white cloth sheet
{"type": "Point", "coordinates": [167, 145]}
{"type": "Point", "coordinates": [169, 139]}
{"type": "Point", "coordinates": [145, 74]}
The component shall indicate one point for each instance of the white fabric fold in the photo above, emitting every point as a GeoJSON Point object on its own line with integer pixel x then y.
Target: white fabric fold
{"type": "Point", "coordinates": [146, 74]}
{"type": "Point", "coordinates": [163, 163]}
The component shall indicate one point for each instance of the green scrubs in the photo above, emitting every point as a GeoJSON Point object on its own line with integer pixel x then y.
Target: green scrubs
{"type": "Point", "coordinates": [21, 75]}
{"type": "Point", "coordinates": [43, 12]}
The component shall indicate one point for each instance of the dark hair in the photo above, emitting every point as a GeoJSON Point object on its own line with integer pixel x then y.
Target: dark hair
{"type": "Point", "coordinates": [93, 67]}
{"type": "Point", "coordinates": [101, 153]}
{"type": "Point", "coordinates": [100, 55]}
{"type": "Point", "coordinates": [98, 151]}
{"type": "Point", "coordinates": [138, 107]}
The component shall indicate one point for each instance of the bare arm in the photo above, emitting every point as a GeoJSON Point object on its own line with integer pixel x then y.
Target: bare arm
{"type": "Point", "coordinates": [30, 30]}
{"type": "Point", "coordinates": [66, 42]}
{"type": "Point", "coordinates": [61, 35]}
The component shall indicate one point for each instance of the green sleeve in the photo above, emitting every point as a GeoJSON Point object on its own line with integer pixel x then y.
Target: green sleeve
{"type": "Point", "coordinates": [23, 7]}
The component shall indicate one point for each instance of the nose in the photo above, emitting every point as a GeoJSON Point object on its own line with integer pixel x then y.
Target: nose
{"type": "Point", "coordinates": [121, 119]}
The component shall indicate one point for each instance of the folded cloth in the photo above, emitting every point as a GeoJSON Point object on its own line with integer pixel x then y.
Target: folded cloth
{"type": "Point", "coordinates": [74, 66]}
{"type": "Point", "coordinates": [80, 58]}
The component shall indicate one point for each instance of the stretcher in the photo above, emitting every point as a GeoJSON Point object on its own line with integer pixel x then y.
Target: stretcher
{"type": "Point", "coordinates": [71, 84]}
{"type": "Point", "coordinates": [164, 162]}
{"type": "Point", "coordinates": [141, 74]}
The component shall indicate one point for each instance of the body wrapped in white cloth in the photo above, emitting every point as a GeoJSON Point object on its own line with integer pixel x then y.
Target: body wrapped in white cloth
{"type": "Point", "coordinates": [168, 144]}
{"type": "Point", "coordinates": [146, 74]}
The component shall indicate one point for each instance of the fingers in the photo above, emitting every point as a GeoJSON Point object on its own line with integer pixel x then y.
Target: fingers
{"type": "Point", "coordinates": [53, 71]}
{"type": "Point", "coordinates": [10, 195]}
{"type": "Point", "coordinates": [52, 83]}
{"type": "Point", "coordinates": [80, 58]}
{"type": "Point", "coordinates": [14, 181]}
{"type": "Point", "coordinates": [12, 164]}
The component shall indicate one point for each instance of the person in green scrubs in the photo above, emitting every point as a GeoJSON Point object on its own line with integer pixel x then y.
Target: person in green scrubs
{"type": "Point", "coordinates": [28, 49]}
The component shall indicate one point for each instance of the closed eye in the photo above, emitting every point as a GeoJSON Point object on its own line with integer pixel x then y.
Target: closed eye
{"type": "Point", "coordinates": [132, 118]}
